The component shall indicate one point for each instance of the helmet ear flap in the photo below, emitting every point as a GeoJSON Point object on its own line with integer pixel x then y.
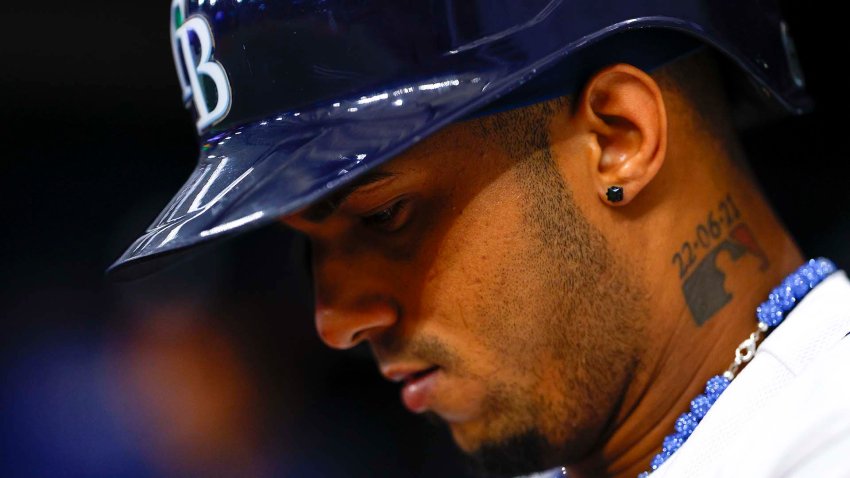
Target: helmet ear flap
{"type": "Point", "coordinates": [751, 102]}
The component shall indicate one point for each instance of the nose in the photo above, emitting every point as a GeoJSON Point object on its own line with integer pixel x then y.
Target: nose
{"type": "Point", "coordinates": [354, 299]}
{"type": "Point", "coordinates": [343, 327]}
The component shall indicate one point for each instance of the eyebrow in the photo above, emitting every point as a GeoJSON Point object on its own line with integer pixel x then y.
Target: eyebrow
{"type": "Point", "coordinates": [322, 210]}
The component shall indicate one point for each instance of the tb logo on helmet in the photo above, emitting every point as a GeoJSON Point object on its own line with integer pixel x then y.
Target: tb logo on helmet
{"type": "Point", "coordinates": [202, 78]}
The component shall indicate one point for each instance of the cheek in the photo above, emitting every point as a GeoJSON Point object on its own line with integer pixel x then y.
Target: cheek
{"type": "Point", "coordinates": [482, 289]}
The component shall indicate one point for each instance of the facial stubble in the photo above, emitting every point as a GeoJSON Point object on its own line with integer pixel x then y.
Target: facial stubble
{"type": "Point", "coordinates": [588, 325]}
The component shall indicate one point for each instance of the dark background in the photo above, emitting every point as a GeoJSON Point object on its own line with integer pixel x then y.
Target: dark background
{"type": "Point", "coordinates": [213, 367]}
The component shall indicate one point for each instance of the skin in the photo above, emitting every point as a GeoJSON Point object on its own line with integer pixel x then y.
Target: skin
{"type": "Point", "coordinates": [560, 322]}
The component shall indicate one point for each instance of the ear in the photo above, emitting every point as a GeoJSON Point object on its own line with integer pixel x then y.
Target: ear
{"type": "Point", "coordinates": [622, 110]}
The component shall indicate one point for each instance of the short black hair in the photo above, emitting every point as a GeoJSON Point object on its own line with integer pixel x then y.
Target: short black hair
{"type": "Point", "coordinates": [697, 78]}
{"type": "Point", "coordinates": [521, 132]}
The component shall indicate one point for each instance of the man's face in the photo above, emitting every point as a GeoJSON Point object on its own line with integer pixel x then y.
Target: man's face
{"type": "Point", "coordinates": [479, 283]}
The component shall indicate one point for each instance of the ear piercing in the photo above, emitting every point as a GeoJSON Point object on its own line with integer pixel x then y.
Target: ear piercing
{"type": "Point", "coordinates": [615, 193]}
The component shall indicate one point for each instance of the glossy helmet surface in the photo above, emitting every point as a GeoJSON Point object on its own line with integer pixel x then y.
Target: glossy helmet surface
{"type": "Point", "coordinates": [295, 98]}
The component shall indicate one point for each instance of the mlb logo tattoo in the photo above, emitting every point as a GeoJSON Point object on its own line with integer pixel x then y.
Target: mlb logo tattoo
{"type": "Point", "coordinates": [203, 80]}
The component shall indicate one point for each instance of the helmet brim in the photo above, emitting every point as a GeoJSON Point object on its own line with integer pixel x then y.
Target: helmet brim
{"type": "Point", "coordinates": [254, 174]}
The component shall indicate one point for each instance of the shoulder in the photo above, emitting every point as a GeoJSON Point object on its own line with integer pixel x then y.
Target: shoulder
{"type": "Point", "coordinates": [788, 412]}
{"type": "Point", "coordinates": [779, 418]}
{"type": "Point", "coordinates": [805, 429]}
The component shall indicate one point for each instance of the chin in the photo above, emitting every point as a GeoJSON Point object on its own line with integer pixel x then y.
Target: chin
{"type": "Point", "coordinates": [474, 435]}
{"type": "Point", "coordinates": [521, 454]}
{"type": "Point", "coordinates": [466, 437]}
{"type": "Point", "coordinates": [495, 452]}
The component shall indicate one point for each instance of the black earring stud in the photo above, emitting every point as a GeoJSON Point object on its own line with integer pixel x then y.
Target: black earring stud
{"type": "Point", "coordinates": [615, 194]}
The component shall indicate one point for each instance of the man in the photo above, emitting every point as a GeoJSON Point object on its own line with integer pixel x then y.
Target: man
{"type": "Point", "coordinates": [544, 226]}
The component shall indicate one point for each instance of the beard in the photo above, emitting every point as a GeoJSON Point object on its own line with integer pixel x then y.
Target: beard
{"type": "Point", "coordinates": [593, 335]}
{"type": "Point", "coordinates": [552, 334]}
{"type": "Point", "coordinates": [520, 454]}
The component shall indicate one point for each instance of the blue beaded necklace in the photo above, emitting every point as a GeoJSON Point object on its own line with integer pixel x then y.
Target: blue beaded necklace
{"type": "Point", "coordinates": [770, 314]}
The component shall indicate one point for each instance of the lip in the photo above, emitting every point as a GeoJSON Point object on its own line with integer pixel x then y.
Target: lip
{"type": "Point", "coordinates": [418, 389]}
{"type": "Point", "coordinates": [419, 382]}
{"type": "Point", "coordinates": [400, 373]}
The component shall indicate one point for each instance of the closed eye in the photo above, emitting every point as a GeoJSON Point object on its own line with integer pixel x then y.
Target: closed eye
{"type": "Point", "coordinates": [389, 219]}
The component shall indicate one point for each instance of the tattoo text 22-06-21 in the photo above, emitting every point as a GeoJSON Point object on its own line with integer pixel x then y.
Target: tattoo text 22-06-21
{"type": "Point", "coordinates": [706, 233]}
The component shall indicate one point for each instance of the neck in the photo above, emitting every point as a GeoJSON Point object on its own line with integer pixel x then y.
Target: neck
{"type": "Point", "coordinates": [702, 308]}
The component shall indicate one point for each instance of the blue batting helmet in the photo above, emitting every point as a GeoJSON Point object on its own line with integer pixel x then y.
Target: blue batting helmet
{"type": "Point", "coordinates": [294, 98]}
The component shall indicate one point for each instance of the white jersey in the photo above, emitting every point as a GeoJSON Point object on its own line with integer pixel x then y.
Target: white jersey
{"type": "Point", "coordinates": [787, 414]}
